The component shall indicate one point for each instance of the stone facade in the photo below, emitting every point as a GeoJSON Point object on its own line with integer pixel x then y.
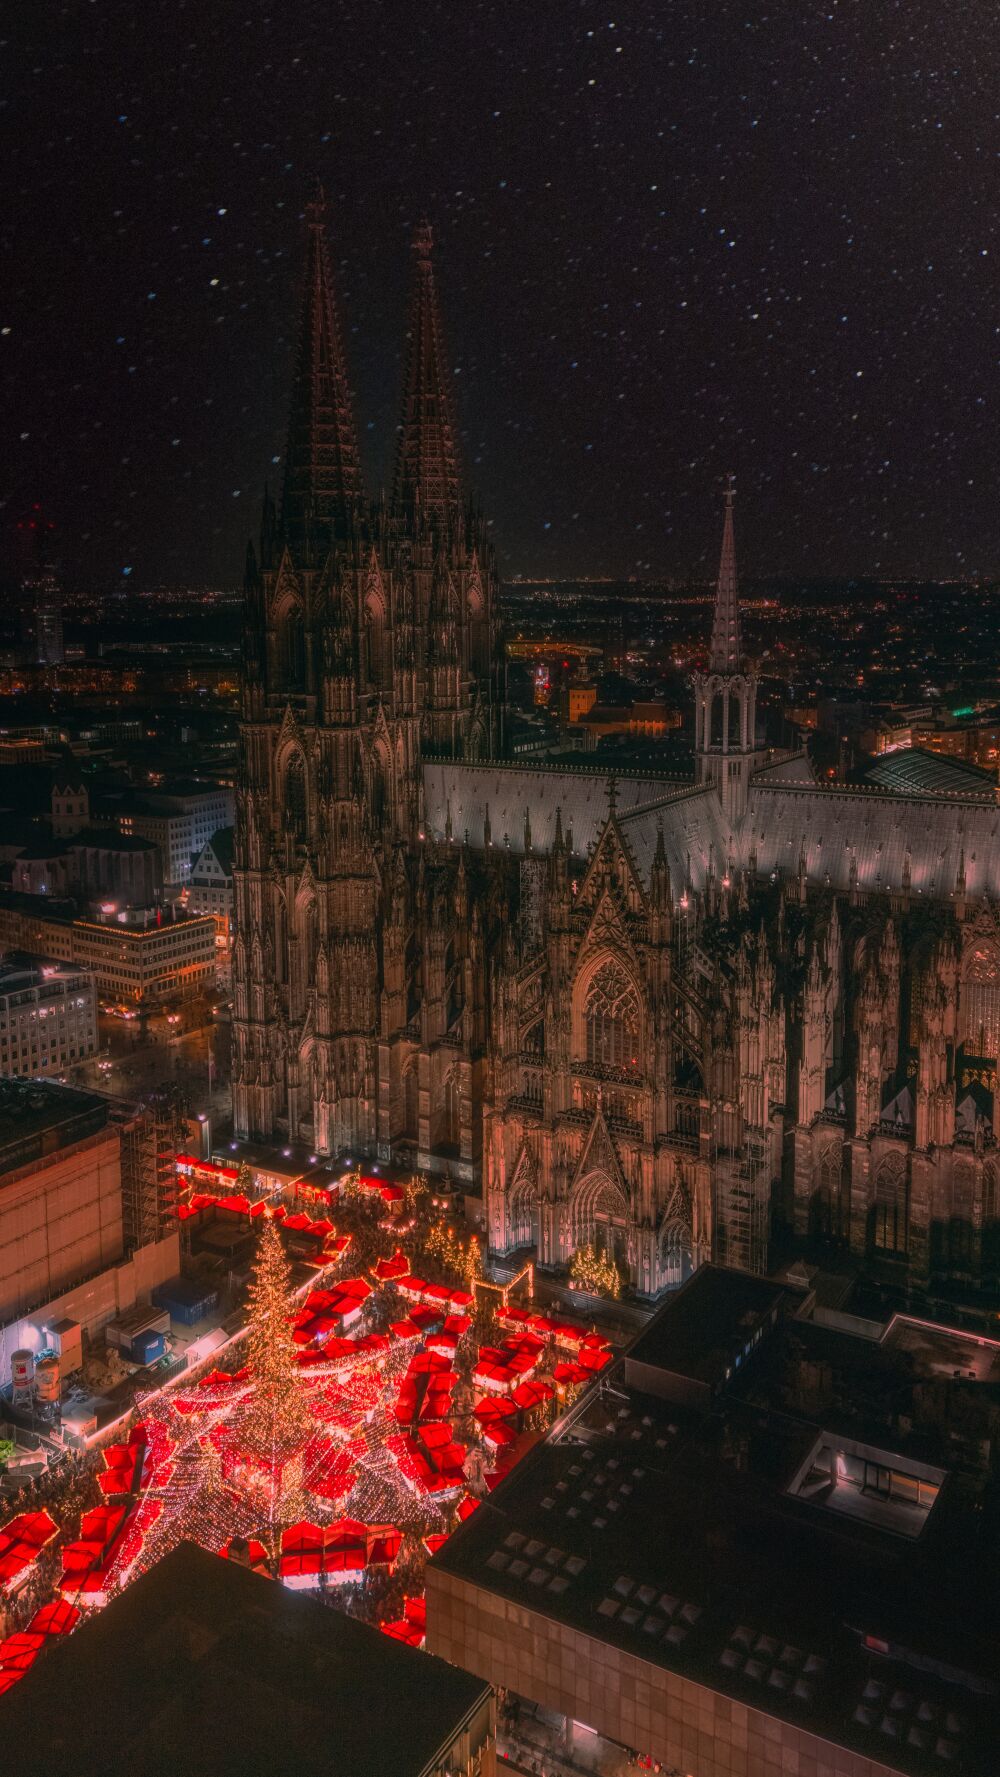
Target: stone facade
{"type": "Point", "coordinates": [669, 1018]}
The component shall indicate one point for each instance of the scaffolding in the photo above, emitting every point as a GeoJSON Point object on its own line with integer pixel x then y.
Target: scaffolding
{"type": "Point", "coordinates": [743, 1205]}
{"type": "Point", "coordinates": [153, 1132]}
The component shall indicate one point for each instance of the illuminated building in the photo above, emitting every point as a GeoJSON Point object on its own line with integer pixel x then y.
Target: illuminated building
{"type": "Point", "coordinates": [135, 954]}
{"type": "Point", "coordinates": [211, 885]}
{"type": "Point", "coordinates": [180, 818]}
{"type": "Point", "coordinates": [48, 1016]}
{"type": "Point", "coordinates": [663, 1017]}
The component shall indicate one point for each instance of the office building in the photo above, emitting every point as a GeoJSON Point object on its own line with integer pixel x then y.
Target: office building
{"type": "Point", "coordinates": [48, 1016]}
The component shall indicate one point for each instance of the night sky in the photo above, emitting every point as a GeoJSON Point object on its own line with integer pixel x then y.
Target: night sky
{"type": "Point", "coordinates": [674, 239]}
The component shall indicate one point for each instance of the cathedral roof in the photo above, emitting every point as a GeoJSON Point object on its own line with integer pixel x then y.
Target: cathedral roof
{"type": "Point", "coordinates": [462, 799]}
{"type": "Point", "coordinates": [796, 769]}
{"type": "Point", "coordinates": [888, 838]}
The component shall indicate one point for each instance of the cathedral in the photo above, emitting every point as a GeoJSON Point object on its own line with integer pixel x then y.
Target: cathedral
{"type": "Point", "coordinates": [673, 1019]}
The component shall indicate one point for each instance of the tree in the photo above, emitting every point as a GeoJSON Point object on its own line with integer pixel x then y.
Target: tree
{"type": "Point", "coordinates": [280, 1420]}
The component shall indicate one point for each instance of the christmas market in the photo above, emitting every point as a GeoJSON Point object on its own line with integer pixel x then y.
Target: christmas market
{"type": "Point", "coordinates": [373, 1396]}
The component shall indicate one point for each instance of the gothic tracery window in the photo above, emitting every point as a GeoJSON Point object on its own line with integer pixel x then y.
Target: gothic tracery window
{"type": "Point", "coordinates": [890, 1208]}
{"type": "Point", "coordinates": [827, 1201]}
{"type": "Point", "coordinates": [612, 1018]}
{"type": "Point", "coordinates": [981, 1004]}
{"type": "Point", "coordinates": [295, 796]}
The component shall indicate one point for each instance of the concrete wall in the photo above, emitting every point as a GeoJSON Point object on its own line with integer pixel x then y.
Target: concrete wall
{"type": "Point", "coordinates": [60, 1219]}
{"type": "Point", "coordinates": [625, 1698]}
{"type": "Point", "coordinates": [97, 1300]}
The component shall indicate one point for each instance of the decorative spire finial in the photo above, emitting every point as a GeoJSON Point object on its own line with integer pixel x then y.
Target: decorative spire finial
{"type": "Point", "coordinates": [727, 654]}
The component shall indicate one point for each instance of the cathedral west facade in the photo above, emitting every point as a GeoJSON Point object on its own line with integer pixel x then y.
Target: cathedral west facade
{"type": "Point", "coordinates": [671, 1018]}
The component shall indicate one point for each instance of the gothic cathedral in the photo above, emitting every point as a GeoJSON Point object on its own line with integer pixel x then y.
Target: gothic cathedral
{"type": "Point", "coordinates": [676, 1019]}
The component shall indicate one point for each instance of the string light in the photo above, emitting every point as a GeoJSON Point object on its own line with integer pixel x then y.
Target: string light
{"type": "Point", "coordinates": [595, 1273]}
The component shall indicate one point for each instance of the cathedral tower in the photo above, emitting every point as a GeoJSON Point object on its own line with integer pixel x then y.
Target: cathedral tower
{"type": "Point", "coordinates": [370, 637]}
{"type": "Point", "coordinates": [725, 740]}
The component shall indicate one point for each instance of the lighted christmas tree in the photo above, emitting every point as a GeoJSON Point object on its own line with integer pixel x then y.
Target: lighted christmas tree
{"type": "Point", "coordinates": [280, 1420]}
{"type": "Point", "coordinates": [473, 1262]}
{"type": "Point", "coordinates": [592, 1272]}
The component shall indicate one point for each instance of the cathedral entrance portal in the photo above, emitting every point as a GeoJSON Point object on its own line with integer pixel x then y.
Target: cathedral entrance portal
{"type": "Point", "coordinates": [599, 1218]}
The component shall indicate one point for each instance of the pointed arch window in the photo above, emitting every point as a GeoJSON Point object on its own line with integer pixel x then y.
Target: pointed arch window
{"type": "Point", "coordinates": [890, 1209]}
{"type": "Point", "coordinates": [827, 1201]}
{"type": "Point", "coordinates": [981, 1003]}
{"type": "Point", "coordinates": [290, 662]}
{"type": "Point", "coordinates": [294, 798]}
{"type": "Point", "coordinates": [612, 1018]}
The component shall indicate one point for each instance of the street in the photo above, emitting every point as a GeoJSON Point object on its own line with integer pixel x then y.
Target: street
{"type": "Point", "coordinates": [133, 1063]}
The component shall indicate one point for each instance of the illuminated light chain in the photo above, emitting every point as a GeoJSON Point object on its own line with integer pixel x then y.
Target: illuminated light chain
{"type": "Point", "coordinates": [251, 1452]}
{"type": "Point", "coordinates": [594, 1273]}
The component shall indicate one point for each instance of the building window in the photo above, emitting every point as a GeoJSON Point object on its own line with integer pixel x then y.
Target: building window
{"type": "Point", "coordinates": [612, 1018]}
{"type": "Point", "coordinates": [890, 1210]}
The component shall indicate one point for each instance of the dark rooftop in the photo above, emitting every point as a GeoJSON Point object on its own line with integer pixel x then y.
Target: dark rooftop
{"type": "Point", "coordinates": [710, 1323]}
{"type": "Point", "coordinates": [705, 1535]}
{"type": "Point", "coordinates": [110, 839]}
{"type": "Point", "coordinates": [202, 1667]}
{"type": "Point", "coordinates": [222, 844]}
{"type": "Point", "coordinates": [38, 1117]}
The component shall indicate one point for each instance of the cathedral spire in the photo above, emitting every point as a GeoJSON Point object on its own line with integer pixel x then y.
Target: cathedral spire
{"type": "Point", "coordinates": [727, 656]}
{"type": "Point", "coordinates": [427, 462]}
{"type": "Point", "coordinates": [322, 463]}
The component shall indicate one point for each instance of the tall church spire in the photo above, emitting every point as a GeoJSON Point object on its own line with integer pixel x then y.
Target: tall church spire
{"type": "Point", "coordinates": [727, 655]}
{"type": "Point", "coordinates": [322, 463]}
{"type": "Point", "coordinates": [427, 462]}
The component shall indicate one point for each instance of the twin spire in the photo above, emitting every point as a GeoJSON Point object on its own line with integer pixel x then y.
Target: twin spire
{"type": "Point", "coordinates": [727, 653]}
{"type": "Point", "coordinates": [322, 461]}
{"type": "Point", "coordinates": [426, 463]}
{"type": "Point", "coordinates": [323, 484]}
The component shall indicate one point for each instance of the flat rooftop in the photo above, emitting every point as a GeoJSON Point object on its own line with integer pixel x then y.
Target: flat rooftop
{"type": "Point", "coordinates": [37, 1118]}
{"type": "Point", "coordinates": [203, 1667]}
{"type": "Point", "coordinates": [708, 1329]}
{"type": "Point", "coordinates": [739, 1538]}
{"type": "Point", "coordinates": [19, 971]}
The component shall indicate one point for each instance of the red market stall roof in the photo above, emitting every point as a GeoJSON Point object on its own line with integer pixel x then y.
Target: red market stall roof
{"type": "Point", "coordinates": [531, 1394]}
{"type": "Point", "coordinates": [388, 1193]}
{"type": "Point", "coordinates": [212, 1167]}
{"type": "Point", "coordinates": [20, 1650]}
{"type": "Point", "coordinates": [21, 1542]}
{"type": "Point", "coordinates": [57, 1618]}
{"type": "Point", "coordinates": [347, 1546]}
{"type": "Point", "coordinates": [570, 1375]}
{"type": "Point", "coordinates": [493, 1408]}
{"type": "Point", "coordinates": [392, 1269]}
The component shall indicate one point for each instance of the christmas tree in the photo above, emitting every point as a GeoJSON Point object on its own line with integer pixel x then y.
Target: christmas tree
{"type": "Point", "coordinates": [280, 1421]}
